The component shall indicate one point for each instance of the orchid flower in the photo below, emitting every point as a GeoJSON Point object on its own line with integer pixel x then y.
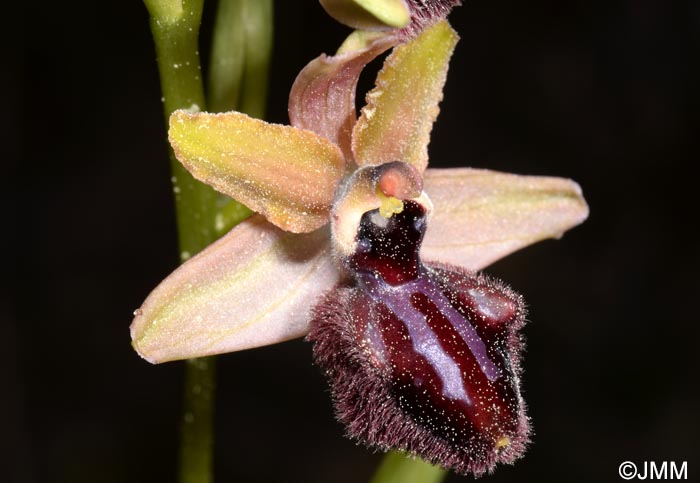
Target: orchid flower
{"type": "Point", "coordinates": [421, 357]}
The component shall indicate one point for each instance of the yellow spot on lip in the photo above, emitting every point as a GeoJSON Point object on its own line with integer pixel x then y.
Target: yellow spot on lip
{"type": "Point", "coordinates": [503, 442]}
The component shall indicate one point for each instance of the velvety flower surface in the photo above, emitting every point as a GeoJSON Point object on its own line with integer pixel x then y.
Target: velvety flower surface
{"type": "Point", "coordinates": [421, 356]}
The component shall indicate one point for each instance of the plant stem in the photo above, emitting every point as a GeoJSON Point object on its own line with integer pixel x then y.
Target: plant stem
{"type": "Point", "coordinates": [398, 468]}
{"type": "Point", "coordinates": [175, 29]}
{"type": "Point", "coordinates": [197, 430]}
{"type": "Point", "coordinates": [202, 214]}
{"type": "Point", "coordinates": [175, 32]}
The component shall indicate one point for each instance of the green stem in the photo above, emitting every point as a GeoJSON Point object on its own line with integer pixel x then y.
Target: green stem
{"type": "Point", "coordinates": [202, 214]}
{"type": "Point", "coordinates": [175, 29]}
{"type": "Point", "coordinates": [397, 468]}
{"type": "Point", "coordinates": [197, 430]}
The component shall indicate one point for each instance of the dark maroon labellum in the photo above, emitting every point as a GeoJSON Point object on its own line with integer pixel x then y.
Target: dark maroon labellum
{"type": "Point", "coordinates": [423, 358]}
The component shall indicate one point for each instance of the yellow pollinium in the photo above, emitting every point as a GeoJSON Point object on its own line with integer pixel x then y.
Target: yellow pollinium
{"type": "Point", "coordinates": [389, 205]}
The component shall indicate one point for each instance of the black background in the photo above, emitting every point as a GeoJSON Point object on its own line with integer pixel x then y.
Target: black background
{"type": "Point", "coordinates": [605, 93]}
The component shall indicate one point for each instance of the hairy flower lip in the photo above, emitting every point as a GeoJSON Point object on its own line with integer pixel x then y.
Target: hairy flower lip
{"type": "Point", "coordinates": [368, 408]}
{"type": "Point", "coordinates": [422, 358]}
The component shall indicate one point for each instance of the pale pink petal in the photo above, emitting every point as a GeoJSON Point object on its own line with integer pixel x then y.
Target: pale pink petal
{"type": "Point", "coordinates": [289, 175]}
{"type": "Point", "coordinates": [253, 287]}
{"type": "Point", "coordinates": [480, 216]}
{"type": "Point", "coordinates": [395, 124]}
{"type": "Point", "coordinates": [322, 98]}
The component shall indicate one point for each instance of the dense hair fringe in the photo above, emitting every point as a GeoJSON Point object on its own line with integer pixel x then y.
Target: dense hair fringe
{"type": "Point", "coordinates": [362, 396]}
{"type": "Point", "coordinates": [424, 13]}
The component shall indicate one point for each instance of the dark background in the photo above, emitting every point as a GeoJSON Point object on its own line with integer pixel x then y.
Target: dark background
{"type": "Point", "coordinates": [605, 93]}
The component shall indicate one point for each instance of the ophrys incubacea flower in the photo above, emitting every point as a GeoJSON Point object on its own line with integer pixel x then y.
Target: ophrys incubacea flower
{"type": "Point", "coordinates": [423, 357]}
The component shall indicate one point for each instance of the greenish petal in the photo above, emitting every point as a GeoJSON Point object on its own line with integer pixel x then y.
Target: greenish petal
{"type": "Point", "coordinates": [289, 175]}
{"type": "Point", "coordinates": [322, 98]}
{"type": "Point", "coordinates": [400, 112]}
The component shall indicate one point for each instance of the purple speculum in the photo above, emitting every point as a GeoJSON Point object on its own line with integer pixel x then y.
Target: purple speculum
{"type": "Point", "coordinates": [423, 358]}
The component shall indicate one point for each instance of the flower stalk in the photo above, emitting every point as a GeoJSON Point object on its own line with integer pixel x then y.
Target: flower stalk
{"type": "Point", "coordinates": [202, 214]}
{"type": "Point", "coordinates": [175, 29]}
{"type": "Point", "coordinates": [396, 467]}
